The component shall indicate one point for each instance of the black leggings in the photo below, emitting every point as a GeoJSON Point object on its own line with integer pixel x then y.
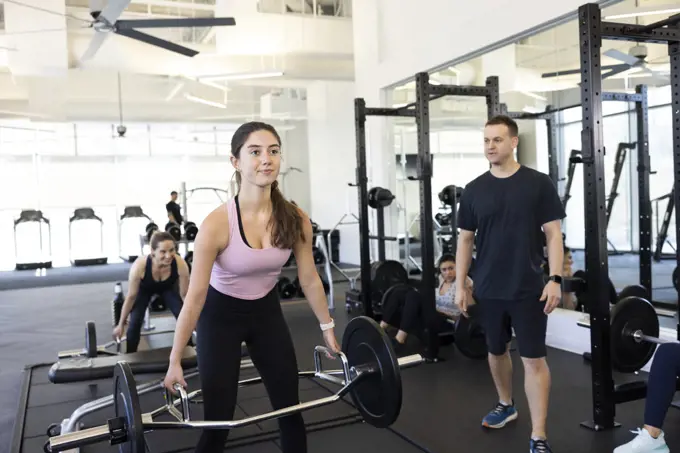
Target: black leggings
{"type": "Point", "coordinates": [662, 383]}
{"type": "Point", "coordinates": [405, 313]}
{"type": "Point", "coordinates": [224, 323]}
{"type": "Point", "coordinates": [134, 330]}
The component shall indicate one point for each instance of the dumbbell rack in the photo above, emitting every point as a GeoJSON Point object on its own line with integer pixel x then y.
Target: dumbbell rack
{"type": "Point", "coordinates": [320, 244]}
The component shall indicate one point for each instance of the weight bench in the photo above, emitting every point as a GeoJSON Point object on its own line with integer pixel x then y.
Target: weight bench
{"type": "Point", "coordinates": [79, 369]}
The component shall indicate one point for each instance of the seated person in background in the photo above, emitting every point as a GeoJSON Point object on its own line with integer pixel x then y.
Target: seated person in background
{"type": "Point", "coordinates": [661, 386]}
{"type": "Point", "coordinates": [155, 274]}
{"type": "Point", "coordinates": [407, 318]}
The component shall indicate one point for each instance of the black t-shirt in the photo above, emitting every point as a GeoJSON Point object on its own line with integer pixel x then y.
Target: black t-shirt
{"type": "Point", "coordinates": [508, 214]}
{"type": "Point", "coordinates": [173, 208]}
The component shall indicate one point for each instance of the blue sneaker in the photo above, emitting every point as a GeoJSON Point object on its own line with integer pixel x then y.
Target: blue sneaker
{"type": "Point", "coordinates": [500, 416]}
{"type": "Point", "coordinates": [539, 446]}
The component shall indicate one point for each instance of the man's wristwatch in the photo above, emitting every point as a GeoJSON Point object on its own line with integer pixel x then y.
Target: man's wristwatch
{"type": "Point", "coordinates": [556, 278]}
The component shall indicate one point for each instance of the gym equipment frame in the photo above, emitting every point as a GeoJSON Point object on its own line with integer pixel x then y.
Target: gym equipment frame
{"type": "Point", "coordinates": [425, 92]}
{"type": "Point", "coordinates": [662, 231]}
{"type": "Point", "coordinates": [592, 30]}
{"type": "Point", "coordinates": [550, 117]}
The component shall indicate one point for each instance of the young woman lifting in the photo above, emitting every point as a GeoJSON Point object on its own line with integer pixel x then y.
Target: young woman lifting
{"type": "Point", "coordinates": [238, 255]}
{"type": "Point", "coordinates": [408, 316]}
{"type": "Point", "coordinates": [157, 273]}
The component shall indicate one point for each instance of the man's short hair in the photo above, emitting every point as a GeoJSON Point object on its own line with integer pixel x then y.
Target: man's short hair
{"type": "Point", "coordinates": [173, 193]}
{"type": "Point", "coordinates": [507, 121]}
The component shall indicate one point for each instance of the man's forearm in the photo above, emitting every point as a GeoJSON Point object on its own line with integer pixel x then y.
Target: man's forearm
{"type": "Point", "coordinates": [555, 254]}
{"type": "Point", "coordinates": [463, 260]}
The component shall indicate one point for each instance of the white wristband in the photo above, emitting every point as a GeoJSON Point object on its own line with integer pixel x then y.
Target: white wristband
{"type": "Point", "coordinates": [328, 326]}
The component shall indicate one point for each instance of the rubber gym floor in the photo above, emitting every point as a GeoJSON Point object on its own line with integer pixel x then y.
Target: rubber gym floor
{"type": "Point", "coordinates": [442, 407]}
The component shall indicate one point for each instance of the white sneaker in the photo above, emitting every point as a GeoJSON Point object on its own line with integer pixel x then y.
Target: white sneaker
{"type": "Point", "coordinates": [644, 443]}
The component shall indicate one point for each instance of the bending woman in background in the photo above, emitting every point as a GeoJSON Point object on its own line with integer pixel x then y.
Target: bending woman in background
{"type": "Point", "coordinates": [408, 318]}
{"type": "Point", "coordinates": [661, 387]}
{"type": "Point", "coordinates": [155, 274]}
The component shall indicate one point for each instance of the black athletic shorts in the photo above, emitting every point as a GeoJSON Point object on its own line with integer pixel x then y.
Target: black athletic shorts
{"type": "Point", "coordinates": [499, 317]}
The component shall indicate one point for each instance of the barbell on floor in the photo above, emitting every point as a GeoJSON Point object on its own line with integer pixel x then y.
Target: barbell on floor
{"type": "Point", "coordinates": [371, 375]}
{"type": "Point", "coordinates": [634, 333]}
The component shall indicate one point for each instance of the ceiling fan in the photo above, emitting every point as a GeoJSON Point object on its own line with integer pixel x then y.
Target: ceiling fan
{"type": "Point", "coordinates": [635, 58]}
{"type": "Point", "coordinates": [106, 13]}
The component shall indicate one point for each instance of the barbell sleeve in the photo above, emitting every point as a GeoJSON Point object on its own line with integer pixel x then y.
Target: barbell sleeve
{"type": "Point", "coordinates": [639, 336]}
{"type": "Point", "coordinates": [410, 361]}
{"type": "Point", "coordinates": [80, 438]}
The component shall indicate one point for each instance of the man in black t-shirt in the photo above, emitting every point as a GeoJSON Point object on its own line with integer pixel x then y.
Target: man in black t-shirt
{"type": "Point", "coordinates": [174, 212]}
{"type": "Point", "coordinates": [509, 208]}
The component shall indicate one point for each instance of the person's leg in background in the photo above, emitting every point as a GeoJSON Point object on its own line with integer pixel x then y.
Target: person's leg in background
{"type": "Point", "coordinates": [531, 323]}
{"type": "Point", "coordinates": [134, 330]}
{"type": "Point", "coordinates": [661, 387]}
{"type": "Point", "coordinates": [411, 317]}
{"type": "Point", "coordinates": [272, 351]}
{"type": "Point", "coordinates": [495, 320]}
{"type": "Point", "coordinates": [174, 303]}
{"type": "Point", "coordinates": [220, 334]}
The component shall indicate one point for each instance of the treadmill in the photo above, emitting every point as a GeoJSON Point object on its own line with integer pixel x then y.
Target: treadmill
{"type": "Point", "coordinates": [89, 255]}
{"type": "Point", "coordinates": [29, 253]}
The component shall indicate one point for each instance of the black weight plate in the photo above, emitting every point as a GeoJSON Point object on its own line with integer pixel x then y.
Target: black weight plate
{"type": "Point", "coordinates": [190, 231]}
{"type": "Point", "coordinates": [634, 291]}
{"type": "Point", "coordinates": [90, 339]}
{"type": "Point", "coordinates": [676, 278]}
{"type": "Point", "coordinates": [450, 194]}
{"type": "Point", "coordinates": [377, 395]}
{"type": "Point", "coordinates": [151, 228]}
{"type": "Point", "coordinates": [379, 197]}
{"type": "Point", "coordinates": [288, 291]}
{"type": "Point", "coordinates": [126, 405]}
{"type": "Point", "coordinates": [318, 255]}
{"type": "Point", "coordinates": [629, 315]}
{"type": "Point", "coordinates": [189, 259]}
{"type": "Point", "coordinates": [174, 230]}
{"type": "Point", "coordinates": [158, 305]}
{"type": "Point", "coordinates": [469, 337]}
{"type": "Point", "coordinates": [613, 295]}
{"type": "Point", "coordinates": [385, 274]}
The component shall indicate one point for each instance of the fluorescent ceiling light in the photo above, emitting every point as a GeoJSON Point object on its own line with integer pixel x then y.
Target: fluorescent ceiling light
{"type": "Point", "coordinates": [193, 98]}
{"type": "Point", "coordinates": [534, 95]}
{"type": "Point", "coordinates": [644, 13]}
{"type": "Point", "coordinates": [205, 82]}
{"type": "Point", "coordinates": [241, 76]}
{"type": "Point", "coordinates": [174, 91]}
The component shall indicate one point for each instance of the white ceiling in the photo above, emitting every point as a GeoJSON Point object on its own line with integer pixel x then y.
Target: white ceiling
{"type": "Point", "coordinates": [521, 64]}
{"type": "Point", "coordinates": [155, 83]}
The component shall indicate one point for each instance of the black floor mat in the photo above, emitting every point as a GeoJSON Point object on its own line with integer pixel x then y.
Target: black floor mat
{"type": "Point", "coordinates": [43, 403]}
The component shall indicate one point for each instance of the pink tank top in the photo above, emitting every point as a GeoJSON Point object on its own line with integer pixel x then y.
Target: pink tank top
{"type": "Point", "coordinates": [244, 272]}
